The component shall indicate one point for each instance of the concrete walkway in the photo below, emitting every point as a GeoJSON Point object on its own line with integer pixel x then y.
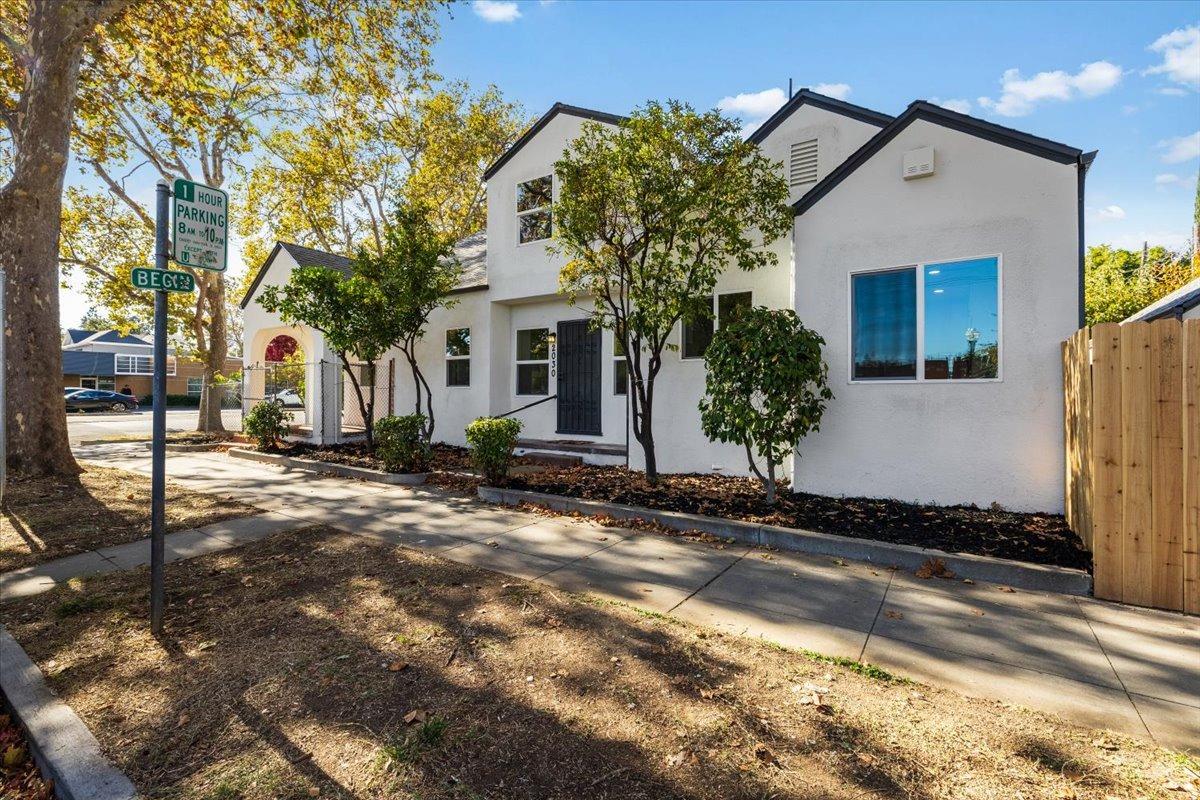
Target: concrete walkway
{"type": "Point", "coordinates": [1101, 664]}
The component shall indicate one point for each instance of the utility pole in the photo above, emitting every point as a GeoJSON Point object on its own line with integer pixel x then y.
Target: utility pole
{"type": "Point", "coordinates": [158, 448]}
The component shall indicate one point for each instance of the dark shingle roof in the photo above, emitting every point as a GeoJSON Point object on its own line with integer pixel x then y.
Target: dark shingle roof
{"type": "Point", "coordinates": [471, 252]}
{"type": "Point", "coordinates": [1183, 299]}
{"type": "Point", "coordinates": [77, 335]}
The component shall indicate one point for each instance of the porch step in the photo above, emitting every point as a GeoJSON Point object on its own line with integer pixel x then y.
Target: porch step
{"type": "Point", "coordinates": [558, 446]}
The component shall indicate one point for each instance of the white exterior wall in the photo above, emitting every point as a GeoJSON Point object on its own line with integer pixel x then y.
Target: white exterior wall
{"type": "Point", "coordinates": [908, 440]}
{"type": "Point", "coordinates": [837, 137]}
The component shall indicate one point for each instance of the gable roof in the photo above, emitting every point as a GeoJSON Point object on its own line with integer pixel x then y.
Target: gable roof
{"type": "Point", "coordinates": [1185, 298]}
{"type": "Point", "coordinates": [921, 110]}
{"type": "Point", "coordinates": [811, 98]}
{"type": "Point", "coordinates": [555, 110]}
{"type": "Point", "coordinates": [77, 337]}
{"type": "Point", "coordinates": [471, 252]}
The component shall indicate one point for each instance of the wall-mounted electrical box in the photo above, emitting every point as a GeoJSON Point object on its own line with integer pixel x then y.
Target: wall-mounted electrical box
{"type": "Point", "coordinates": [918, 163]}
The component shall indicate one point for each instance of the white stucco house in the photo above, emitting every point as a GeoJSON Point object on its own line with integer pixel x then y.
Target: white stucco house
{"type": "Point", "coordinates": [940, 256]}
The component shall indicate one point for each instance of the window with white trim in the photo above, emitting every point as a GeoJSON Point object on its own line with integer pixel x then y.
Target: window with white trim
{"type": "Point", "coordinates": [802, 163]}
{"type": "Point", "coordinates": [948, 311]}
{"type": "Point", "coordinates": [533, 209]}
{"type": "Point", "coordinates": [620, 368]}
{"type": "Point", "coordinates": [135, 365]}
{"type": "Point", "coordinates": [195, 386]}
{"type": "Point", "coordinates": [533, 361]}
{"type": "Point", "coordinates": [698, 332]}
{"type": "Point", "coordinates": [458, 357]}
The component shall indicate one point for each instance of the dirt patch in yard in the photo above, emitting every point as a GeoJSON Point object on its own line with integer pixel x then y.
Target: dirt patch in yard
{"type": "Point", "coordinates": [49, 518]}
{"type": "Point", "coordinates": [317, 663]}
{"type": "Point", "coordinates": [19, 775]}
{"type": "Point", "coordinates": [1040, 538]}
{"type": "Point", "coordinates": [446, 457]}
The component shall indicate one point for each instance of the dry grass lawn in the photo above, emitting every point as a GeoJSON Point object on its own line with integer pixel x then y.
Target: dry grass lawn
{"type": "Point", "coordinates": [49, 518]}
{"type": "Point", "coordinates": [316, 663]}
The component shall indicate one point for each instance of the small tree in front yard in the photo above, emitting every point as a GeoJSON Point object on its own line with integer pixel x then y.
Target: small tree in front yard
{"type": "Point", "coordinates": [649, 214]}
{"type": "Point", "coordinates": [416, 271]}
{"type": "Point", "coordinates": [766, 387]}
{"type": "Point", "coordinates": [352, 312]}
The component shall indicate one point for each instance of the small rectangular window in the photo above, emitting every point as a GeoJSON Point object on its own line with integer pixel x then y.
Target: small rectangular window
{"type": "Point", "coordinates": [802, 167]}
{"type": "Point", "coordinates": [195, 386]}
{"type": "Point", "coordinates": [533, 361]}
{"type": "Point", "coordinates": [729, 306]}
{"type": "Point", "coordinates": [697, 334]}
{"type": "Point", "coordinates": [620, 368]}
{"type": "Point", "coordinates": [884, 320]}
{"type": "Point", "coordinates": [458, 357]}
{"type": "Point", "coordinates": [962, 322]}
{"type": "Point", "coordinates": [534, 198]}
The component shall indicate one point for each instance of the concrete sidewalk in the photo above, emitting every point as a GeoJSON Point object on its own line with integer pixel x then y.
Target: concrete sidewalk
{"type": "Point", "coordinates": [1101, 664]}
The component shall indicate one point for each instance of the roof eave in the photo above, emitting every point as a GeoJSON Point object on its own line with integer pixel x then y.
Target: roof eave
{"type": "Point", "coordinates": [808, 97]}
{"type": "Point", "coordinates": [543, 121]}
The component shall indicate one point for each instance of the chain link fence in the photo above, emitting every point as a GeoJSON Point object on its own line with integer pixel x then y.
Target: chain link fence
{"type": "Point", "coordinates": [285, 382]}
{"type": "Point", "coordinates": [375, 384]}
{"type": "Point", "coordinates": [319, 396]}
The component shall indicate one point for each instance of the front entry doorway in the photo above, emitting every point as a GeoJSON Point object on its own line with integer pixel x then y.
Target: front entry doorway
{"type": "Point", "coordinates": [578, 381]}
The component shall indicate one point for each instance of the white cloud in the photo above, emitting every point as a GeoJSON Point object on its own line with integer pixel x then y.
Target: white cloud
{"type": "Point", "coordinates": [1166, 179]}
{"type": "Point", "coordinates": [838, 91]}
{"type": "Point", "coordinates": [753, 105]}
{"type": "Point", "coordinates": [1180, 50]}
{"type": "Point", "coordinates": [1127, 110]}
{"type": "Point", "coordinates": [1180, 148]}
{"type": "Point", "coordinates": [1111, 212]}
{"type": "Point", "coordinates": [961, 106]}
{"type": "Point", "coordinates": [496, 10]}
{"type": "Point", "coordinates": [1020, 95]}
{"type": "Point", "coordinates": [1171, 91]}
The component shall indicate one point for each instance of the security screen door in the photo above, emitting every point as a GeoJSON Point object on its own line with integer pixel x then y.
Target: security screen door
{"type": "Point", "coordinates": [578, 378]}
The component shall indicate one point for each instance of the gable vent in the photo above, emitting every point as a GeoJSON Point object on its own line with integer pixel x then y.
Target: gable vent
{"type": "Point", "coordinates": [803, 164]}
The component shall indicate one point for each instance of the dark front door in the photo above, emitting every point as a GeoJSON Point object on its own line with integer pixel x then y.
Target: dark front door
{"type": "Point", "coordinates": [578, 378]}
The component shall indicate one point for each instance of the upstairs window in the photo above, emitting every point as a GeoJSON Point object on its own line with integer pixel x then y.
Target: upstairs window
{"type": "Point", "coordinates": [953, 305]}
{"type": "Point", "coordinates": [458, 357]}
{"type": "Point", "coordinates": [802, 164]}
{"type": "Point", "coordinates": [533, 209]}
{"type": "Point", "coordinates": [533, 361]}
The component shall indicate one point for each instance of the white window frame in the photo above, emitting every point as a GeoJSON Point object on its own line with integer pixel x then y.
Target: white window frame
{"type": "Point", "coordinates": [198, 392]}
{"type": "Point", "coordinates": [450, 358]}
{"type": "Point", "coordinates": [519, 361]}
{"type": "Point", "coordinates": [716, 319]}
{"type": "Point", "coordinates": [133, 362]}
{"type": "Point", "coordinates": [920, 266]}
{"type": "Point", "coordinates": [547, 208]}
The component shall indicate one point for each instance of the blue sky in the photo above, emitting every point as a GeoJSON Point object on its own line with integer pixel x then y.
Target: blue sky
{"type": "Point", "coordinates": [1123, 78]}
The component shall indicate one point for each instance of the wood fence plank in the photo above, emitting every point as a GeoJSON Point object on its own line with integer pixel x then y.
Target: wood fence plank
{"type": "Point", "coordinates": [1070, 423]}
{"type": "Point", "coordinates": [1107, 545]}
{"type": "Point", "coordinates": [1136, 462]}
{"type": "Point", "coordinates": [1166, 501]}
{"type": "Point", "coordinates": [1086, 498]}
{"type": "Point", "coordinates": [1191, 465]}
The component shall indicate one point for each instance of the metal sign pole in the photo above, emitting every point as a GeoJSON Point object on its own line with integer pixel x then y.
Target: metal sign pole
{"type": "Point", "coordinates": [158, 474]}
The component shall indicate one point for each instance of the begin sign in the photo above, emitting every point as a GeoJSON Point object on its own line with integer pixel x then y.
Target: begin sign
{"type": "Point", "coordinates": [199, 225]}
{"type": "Point", "coordinates": [166, 280]}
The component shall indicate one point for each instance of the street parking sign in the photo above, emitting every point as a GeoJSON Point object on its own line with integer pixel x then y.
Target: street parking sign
{"type": "Point", "coordinates": [199, 226]}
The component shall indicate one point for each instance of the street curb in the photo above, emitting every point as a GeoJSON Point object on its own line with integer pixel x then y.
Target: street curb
{"type": "Point", "coordinates": [325, 468]}
{"type": "Point", "coordinates": [63, 747]}
{"type": "Point", "coordinates": [195, 447]}
{"type": "Point", "coordinates": [1018, 574]}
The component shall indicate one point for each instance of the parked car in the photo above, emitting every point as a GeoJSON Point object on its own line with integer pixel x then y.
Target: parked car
{"type": "Point", "coordinates": [289, 398]}
{"type": "Point", "coordinates": [99, 400]}
{"type": "Point", "coordinates": [71, 390]}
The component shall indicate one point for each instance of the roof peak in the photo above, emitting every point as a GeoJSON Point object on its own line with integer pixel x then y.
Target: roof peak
{"type": "Point", "coordinates": [806, 96]}
{"type": "Point", "coordinates": [543, 121]}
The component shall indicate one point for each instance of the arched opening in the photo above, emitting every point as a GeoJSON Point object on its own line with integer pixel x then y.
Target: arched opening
{"type": "Point", "coordinates": [285, 371]}
{"type": "Point", "coordinates": [281, 348]}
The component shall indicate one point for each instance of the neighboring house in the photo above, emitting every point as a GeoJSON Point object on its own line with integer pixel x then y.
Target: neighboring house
{"type": "Point", "coordinates": [112, 360]}
{"type": "Point", "coordinates": [940, 256]}
{"type": "Point", "coordinates": [1183, 303]}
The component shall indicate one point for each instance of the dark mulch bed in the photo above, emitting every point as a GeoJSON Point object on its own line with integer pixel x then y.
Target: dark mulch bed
{"type": "Point", "coordinates": [196, 437]}
{"type": "Point", "coordinates": [1040, 538]}
{"type": "Point", "coordinates": [446, 457]}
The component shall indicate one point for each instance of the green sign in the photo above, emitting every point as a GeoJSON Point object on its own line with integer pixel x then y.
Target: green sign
{"type": "Point", "coordinates": [166, 280]}
{"type": "Point", "coordinates": [199, 226]}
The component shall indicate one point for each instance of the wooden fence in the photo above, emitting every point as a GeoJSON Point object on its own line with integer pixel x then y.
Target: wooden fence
{"type": "Point", "coordinates": [1132, 402]}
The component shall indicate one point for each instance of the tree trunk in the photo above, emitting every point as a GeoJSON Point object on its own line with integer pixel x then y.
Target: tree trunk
{"type": "Point", "coordinates": [770, 482]}
{"type": "Point", "coordinates": [419, 385]}
{"type": "Point", "coordinates": [30, 218]}
{"type": "Point", "coordinates": [213, 286]}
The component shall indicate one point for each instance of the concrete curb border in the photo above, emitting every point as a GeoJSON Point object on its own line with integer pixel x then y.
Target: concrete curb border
{"type": "Point", "coordinates": [324, 467]}
{"type": "Point", "coordinates": [63, 747]}
{"type": "Point", "coordinates": [1018, 574]}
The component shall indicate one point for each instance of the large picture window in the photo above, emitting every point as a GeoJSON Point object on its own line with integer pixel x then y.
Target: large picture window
{"type": "Point", "coordinates": [533, 361]}
{"type": "Point", "coordinates": [698, 332]}
{"type": "Point", "coordinates": [458, 357]}
{"type": "Point", "coordinates": [533, 209]}
{"type": "Point", "coordinates": [948, 311]}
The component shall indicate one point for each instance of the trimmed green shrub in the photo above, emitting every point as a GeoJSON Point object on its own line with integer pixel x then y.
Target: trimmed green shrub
{"type": "Point", "coordinates": [266, 424]}
{"type": "Point", "coordinates": [492, 441]}
{"type": "Point", "coordinates": [400, 445]}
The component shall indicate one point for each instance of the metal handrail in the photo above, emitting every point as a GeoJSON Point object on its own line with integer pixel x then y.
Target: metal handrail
{"type": "Point", "coordinates": [529, 405]}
